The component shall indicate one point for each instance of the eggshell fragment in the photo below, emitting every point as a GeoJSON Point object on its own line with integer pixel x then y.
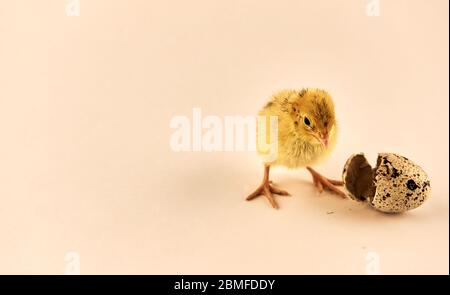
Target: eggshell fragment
{"type": "Point", "coordinates": [357, 177]}
{"type": "Point", "coordinates": [395, 185]}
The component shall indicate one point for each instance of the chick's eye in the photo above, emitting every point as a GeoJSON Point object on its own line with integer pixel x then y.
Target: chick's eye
{"type": "Point", "coordinates": [306, 121]}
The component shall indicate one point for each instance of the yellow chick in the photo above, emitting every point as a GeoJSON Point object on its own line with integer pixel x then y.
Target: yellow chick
{"type": "Point", "coordinates": [307, 130]}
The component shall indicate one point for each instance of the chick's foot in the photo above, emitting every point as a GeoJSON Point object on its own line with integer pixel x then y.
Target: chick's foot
{"type": "Point", "coordinates": [267, 189]}
{"type": "Point", "coordinates": [321, 182]}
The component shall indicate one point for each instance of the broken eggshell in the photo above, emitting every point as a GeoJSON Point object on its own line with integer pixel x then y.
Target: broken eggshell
{"type": "Point", "coordinates": [395, 185]}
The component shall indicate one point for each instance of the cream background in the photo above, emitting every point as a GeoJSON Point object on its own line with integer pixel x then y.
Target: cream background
{"type": "Point", "coordinates": [85, 162]}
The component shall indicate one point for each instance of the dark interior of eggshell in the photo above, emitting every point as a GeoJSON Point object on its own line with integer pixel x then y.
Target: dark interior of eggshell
{"type": "Point", "coordinates": [359, 180]}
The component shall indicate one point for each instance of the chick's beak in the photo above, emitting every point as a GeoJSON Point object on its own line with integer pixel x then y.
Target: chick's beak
{"type": "Point", "coordinates": [324, 139]}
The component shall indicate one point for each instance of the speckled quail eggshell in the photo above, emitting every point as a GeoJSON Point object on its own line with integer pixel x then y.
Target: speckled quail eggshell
{"type": "Point", "coordinates": [395, 185]}
{"type": "Point", "coordinates": [351, 176]}
{"type": "Point", "coordinates": [400, 184]}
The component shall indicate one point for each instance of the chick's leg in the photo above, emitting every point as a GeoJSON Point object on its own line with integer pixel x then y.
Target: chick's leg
{"type": "Point", "coordinates": [322, 182]}
{"type": "Point", "coordinates": [267, 189]}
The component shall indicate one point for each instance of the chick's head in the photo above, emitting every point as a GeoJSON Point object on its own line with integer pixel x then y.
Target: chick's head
{"type": "Point", "coordinates": [314, 117]}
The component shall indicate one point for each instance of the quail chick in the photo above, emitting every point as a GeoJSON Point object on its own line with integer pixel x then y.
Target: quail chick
{"type": "Point", "coordinates": [307, 131]}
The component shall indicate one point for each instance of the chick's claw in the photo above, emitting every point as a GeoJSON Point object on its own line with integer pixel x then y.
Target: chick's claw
{"type": "Point", "coordinates": [318, 184]}
{"type": "Point", "coordinates": [335, 182]}
{"type": "Point", "coordinates": [278, 191]}
{"type": "Point", "coordinates": [322, 182]}
{"type": "Point", "coordinates": [268, 190]}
